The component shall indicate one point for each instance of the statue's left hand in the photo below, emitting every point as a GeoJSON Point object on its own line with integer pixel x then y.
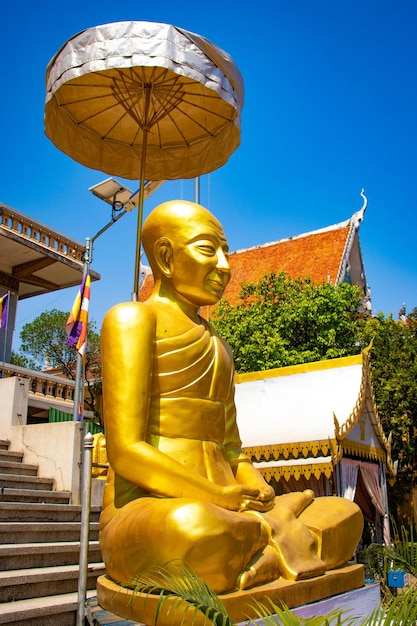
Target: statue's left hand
{"type": "Point", "coordinates": [247, 474]}
{"type": "Point", "coordinates": [258, 505]}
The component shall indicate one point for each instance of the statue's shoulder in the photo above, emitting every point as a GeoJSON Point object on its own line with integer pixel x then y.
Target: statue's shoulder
{"type": "Point", "coordinates": [128, 314]}
{"type": "Point", "coordinates": [214, 333]}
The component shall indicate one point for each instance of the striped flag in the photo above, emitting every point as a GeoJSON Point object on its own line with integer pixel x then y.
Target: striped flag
{"type": "Point", "coordinates": [4, 306]}
{"type": "Point", "coordinates": [77, 322]}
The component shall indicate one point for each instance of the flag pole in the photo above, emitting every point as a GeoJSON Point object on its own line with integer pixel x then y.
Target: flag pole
{"type": "Point", "coordinates": [85, 475]}
{"type": "Point", "coordinates": [79, 373]}
{"type": "Point", "coordinates": [6, 328]}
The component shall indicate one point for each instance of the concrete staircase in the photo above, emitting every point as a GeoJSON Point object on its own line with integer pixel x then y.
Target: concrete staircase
{"type": "Point", "coordinates": [39, 547]}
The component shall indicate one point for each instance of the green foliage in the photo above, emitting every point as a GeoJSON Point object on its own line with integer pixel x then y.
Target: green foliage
{"type": "Point", "coordinates": [176, 584]}
{"type": "Point", "coordinates": [22, 361]}
{"type": "Point", "coordinates": [401, 554]}
{"type": "Point", "coordinates": [179, 584]}
{"type": "Point", "coordinates": [44, 346]}
{"type": "Point", "coordinates": [400, 611]}
{"type": "Point", "coordinates": [273, 615]}
{"type": "Point", "coordinates": [44, 341]}
{"type": "Point", "coordinates": [281, 321]}
{"type": "Point", "coordinates": [394, 377]}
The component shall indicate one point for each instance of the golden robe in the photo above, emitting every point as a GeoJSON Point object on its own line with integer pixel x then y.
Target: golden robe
{"type": "Point", "coordinates": [192, 418]}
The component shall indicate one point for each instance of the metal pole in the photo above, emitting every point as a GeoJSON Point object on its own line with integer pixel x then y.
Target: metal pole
{"type": "Point", "coordinates": [86, 452]}
{"type": "Point", "coordinates": [197, 190]}
{"type": "Point", "coordinates": [85, 526]}
{"type": "Point", "coordinates": [79, 373]}
{"type": "Point", "coordinates": [106, 227]}
{"type": "Point", "coordinates": [146, 129]}
{"type": "Point", "coordinates": [77, 389]}
{"type": "Point", "coordinates": [135, 291]}
{"type": "Point", "coordinates": [6, 331]}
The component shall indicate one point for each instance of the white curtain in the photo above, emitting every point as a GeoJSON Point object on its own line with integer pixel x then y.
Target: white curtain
{"type": "Point", "coordinates": [349, 478]}
{"type": "Point", "coordinates": [371, 477]}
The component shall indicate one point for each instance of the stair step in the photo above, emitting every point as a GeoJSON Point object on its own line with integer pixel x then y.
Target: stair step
{"type": "Point", "coordinates": [39, 547]}
{"type": "Point", "coordinates": [42, 512]}
{"type": "Point", "coordinates": [55, 610]}
{"type": "Point", "coordinates": [23, 556]}
{"type": "Point", "coordinates": [44, 532]}
{"type": "Point", "coordinates": [7, 494]}
{"type": "Point", "coordinates": [16, 481]}
{"type": "Point", "coordinates": [10, 455]}
{"type": "Point", "coordinates": [34, 583]}
{"type": "Point", "coordinates": [97, 616]}
{"type": "Point", "coordinates": [21, 469]}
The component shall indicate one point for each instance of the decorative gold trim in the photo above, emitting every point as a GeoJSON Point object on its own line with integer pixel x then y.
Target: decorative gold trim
{"type": "Point", "coordinates": [300, 369]}
{"type": "Point", "coordinates": [365, 405]}
{"type": "Point", "coordinates": [365, 402]}
{"type": "Point", "coordinates": [368, 452]}
{"type": "Point", "coordinates": [308, 470]}
{"type": "Point", "coordinates": [279, 451]}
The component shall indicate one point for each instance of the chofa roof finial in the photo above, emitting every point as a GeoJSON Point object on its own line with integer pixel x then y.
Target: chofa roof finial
{"type": "Point", "coordinates": [357, 217]}
{"type": "Point", "coordinates": [365, 202]}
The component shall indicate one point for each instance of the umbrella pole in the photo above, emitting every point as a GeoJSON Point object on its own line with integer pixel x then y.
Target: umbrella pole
{"type": "Point", "coordinates": [141, 198]}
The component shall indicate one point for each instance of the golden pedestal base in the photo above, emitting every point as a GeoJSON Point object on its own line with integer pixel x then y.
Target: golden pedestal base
{"type": "Point", "coordinates": [239, 605]}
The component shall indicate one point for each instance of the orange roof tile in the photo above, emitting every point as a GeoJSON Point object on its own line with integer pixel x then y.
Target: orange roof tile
{"type": "Point", "coordinates": [317, 254]}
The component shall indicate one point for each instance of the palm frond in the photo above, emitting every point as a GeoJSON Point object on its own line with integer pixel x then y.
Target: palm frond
{"type": "Point", "coordinates": [187, 596]}
{"type": "Point", "coordinates": [401, 611]}
{"type": "Point", "coordinates": [180, 587]}
{"type": "Point", "coordinates": [401, 554]}
{"type": "Point", "coordinates": [271, 614]}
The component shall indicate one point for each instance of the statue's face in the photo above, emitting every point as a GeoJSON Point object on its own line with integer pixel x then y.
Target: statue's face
{"type": "Point", "coordinates": [201, 268]}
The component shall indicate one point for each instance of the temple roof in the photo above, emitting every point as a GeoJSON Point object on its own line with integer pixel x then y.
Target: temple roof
{"type": "Point", "coordinates": [310, 415]}
{"type": "Point", "coordinates": [330, 254]}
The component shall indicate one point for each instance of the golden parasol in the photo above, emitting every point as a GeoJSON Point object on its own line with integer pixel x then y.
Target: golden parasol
{"type": "Point", "coordinates": [144, 101]}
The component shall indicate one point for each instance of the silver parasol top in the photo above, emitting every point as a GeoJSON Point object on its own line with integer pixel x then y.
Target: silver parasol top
{"type": "Point", "coordinates": [110, 85]}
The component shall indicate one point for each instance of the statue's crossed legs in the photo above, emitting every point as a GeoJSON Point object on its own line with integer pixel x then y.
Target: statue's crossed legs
{"type": "Point", "coordinates": [301, 537]}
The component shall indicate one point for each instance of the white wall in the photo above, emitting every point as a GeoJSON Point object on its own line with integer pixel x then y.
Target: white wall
{"type": "Point", "coordinates": [13, 403]}
{"type": "Point", "coordinates": [56, 449]}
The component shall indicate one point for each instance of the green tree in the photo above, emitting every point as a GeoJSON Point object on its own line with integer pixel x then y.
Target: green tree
{"type": "Point", "coordinates": [394, 377]}
{"type": "Point", "coordinates": [44, 346]}
{"type": "Point", "coordinates": [282, 321]}
{"type": "Point", "coordinates": [23, 361]}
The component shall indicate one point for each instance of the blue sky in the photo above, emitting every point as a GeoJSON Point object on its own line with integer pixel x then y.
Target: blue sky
{"type": "Point", "coordinates": [330, 107]}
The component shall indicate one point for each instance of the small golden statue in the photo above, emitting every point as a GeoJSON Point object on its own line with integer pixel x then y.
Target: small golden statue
{"type": "Point", "coordinates": [180, 486]}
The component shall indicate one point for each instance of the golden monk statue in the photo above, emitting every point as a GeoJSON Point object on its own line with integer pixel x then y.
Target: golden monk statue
{"type": "Point", "coordinates": [180, 486]}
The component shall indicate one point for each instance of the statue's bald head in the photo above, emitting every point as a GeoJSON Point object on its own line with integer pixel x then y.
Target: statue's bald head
{"type": "Point", "coordinates": [173, 220]}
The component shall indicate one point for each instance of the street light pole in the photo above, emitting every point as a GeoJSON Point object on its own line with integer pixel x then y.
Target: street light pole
{"type": "Point", "coordinates": [79, 378]}
{"type": "Point", "coordinates": [122, 201]}
{"type": "Point", "coordinates": [86, 452]}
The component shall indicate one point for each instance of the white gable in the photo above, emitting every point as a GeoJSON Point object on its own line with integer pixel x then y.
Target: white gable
{"type": "Point", "coordinates": [298, 406]}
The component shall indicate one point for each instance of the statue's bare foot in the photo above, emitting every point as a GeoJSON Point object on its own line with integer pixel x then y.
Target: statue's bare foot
{"type": "Point", "coordinates": [262, 569]}
{"type": "Point", "coordinates": [301, 568]}
{"type": "Point", "coordinates": [296, 501]}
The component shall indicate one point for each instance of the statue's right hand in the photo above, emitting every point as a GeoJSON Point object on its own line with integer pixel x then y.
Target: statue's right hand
{"type": "Point", "coordinates": [237, 497]}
